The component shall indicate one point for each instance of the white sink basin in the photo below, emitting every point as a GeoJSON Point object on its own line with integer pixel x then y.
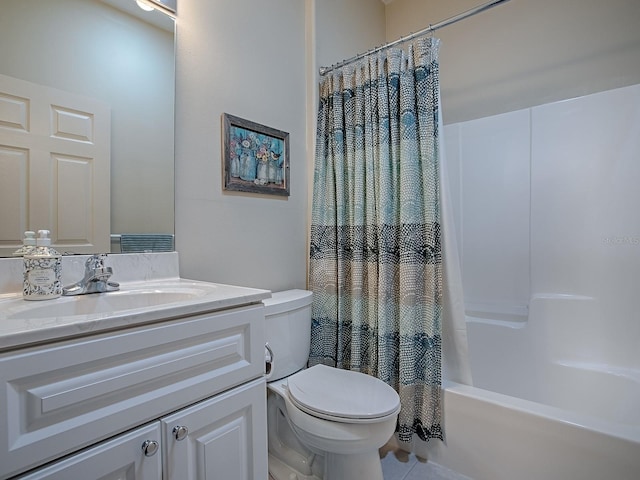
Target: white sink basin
{"type": "Point", "coordinates": [25, 322]}
{"type": "Point", "coordinates": [100, 303]}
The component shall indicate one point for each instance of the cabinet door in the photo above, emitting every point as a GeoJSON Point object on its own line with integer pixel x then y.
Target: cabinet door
{"type": "Point", "coordinates": [122, 458]}
{"type": "Point", "coordinates": [226, 439]}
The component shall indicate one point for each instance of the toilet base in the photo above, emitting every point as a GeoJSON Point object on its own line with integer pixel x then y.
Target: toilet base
{"type": "Point", "coordinates": [279, 470]}
{"type": "Point", "coordinates": [363, 466]}
{"type": "Point", "coordinates": [359, 466]}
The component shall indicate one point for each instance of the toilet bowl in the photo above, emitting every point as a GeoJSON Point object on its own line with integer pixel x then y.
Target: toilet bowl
{"type": "Point", "coordinates": [323, 422]}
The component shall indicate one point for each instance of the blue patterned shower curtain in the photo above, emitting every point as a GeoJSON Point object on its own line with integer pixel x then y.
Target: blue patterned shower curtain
{"type": "Point", "coordinates": [375, 250]}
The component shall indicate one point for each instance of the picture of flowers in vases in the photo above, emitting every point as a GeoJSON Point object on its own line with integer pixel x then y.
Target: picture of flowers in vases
{"type": "Point", "coordinates": [256, 157]}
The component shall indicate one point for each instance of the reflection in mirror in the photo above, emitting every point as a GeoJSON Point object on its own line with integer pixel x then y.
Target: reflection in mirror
{"type": "Point", "coordinates": [110, 52]}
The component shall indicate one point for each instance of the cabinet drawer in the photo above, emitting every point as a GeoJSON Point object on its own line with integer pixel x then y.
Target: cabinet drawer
{"type": "Point", "coordinates": [64, 396]}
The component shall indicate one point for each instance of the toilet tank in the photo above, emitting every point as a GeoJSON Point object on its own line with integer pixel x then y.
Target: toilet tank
{"type": "Point", "coordinates": [288, 331]}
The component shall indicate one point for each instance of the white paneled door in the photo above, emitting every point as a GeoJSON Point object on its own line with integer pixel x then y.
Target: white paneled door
{"type": "Point", "coordinates": [54, 167]}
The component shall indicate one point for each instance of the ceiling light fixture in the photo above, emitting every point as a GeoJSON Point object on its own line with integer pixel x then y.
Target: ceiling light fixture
{"type": "Point", "coordinates": [144, 6]}
{"type": "Point", "coordinates": [163, 6]}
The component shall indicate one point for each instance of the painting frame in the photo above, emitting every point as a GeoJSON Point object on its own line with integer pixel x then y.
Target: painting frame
{"type": "Point", "coordinates": [255, 157]}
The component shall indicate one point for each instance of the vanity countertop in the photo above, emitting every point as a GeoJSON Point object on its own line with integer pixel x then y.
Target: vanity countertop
{"type": "Point", "coordinates": [140, 301]}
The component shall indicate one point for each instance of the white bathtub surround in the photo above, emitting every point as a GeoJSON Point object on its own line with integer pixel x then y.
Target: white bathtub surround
{"type": "Point", "coordinates": [585, 223]}
{"type": "Point", "coordinates": [550, 258]}
{"type": "Point", "coordinates": [455, 350]}
{"type": "Point", "coordinates": [490, 436]}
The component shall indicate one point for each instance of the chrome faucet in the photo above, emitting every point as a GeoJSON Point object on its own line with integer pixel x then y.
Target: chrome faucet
{"type": "Point", "coordinates": [96, 278]}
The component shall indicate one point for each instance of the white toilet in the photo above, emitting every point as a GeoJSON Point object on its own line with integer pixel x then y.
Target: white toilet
{"type": "Point", "coordinates": [323, 422]}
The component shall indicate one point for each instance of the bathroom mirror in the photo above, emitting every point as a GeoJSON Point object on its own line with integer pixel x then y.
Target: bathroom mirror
{"type": "Point", "coordinates": [118, 54]}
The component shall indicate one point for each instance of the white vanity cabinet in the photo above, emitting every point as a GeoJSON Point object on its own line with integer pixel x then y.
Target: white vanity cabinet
{"type": "Point", "coordinates": [215, 438]}
{"type": "Point", "coordinates": [85, 406]}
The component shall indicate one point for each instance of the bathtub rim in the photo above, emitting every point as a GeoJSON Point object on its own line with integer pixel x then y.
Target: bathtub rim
{"type": "Point", "coordinates": [582, 421]}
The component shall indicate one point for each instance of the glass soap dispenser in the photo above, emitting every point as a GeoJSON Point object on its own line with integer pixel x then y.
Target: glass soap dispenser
{"type": "Point", "coordinates": [42, 270]}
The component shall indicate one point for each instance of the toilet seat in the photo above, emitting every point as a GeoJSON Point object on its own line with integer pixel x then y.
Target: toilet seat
{"type": "Point", "coordinates": [342, 395]}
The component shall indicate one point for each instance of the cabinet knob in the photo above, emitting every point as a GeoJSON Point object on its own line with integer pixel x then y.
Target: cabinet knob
{"type": "Point", "coordinates": [150, 448]}
{"type": "Point", "coordinates": [180, 432]}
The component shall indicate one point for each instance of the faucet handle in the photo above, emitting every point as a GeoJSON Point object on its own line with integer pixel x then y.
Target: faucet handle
{"type": "Point", "coordinates": [95, 261]}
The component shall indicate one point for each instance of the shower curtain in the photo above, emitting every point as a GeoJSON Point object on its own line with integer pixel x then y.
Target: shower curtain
{"type": "Point", "coordinates": [375, 249]}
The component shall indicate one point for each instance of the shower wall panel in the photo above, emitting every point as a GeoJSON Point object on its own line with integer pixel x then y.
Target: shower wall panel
{"type": "Point", "coordinates": [547, 222]}
{"type": "Point", "coordinates": [492, 168]}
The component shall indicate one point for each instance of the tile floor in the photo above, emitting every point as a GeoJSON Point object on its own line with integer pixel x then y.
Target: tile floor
{"type": "Point", "coordinates": [408, 467]}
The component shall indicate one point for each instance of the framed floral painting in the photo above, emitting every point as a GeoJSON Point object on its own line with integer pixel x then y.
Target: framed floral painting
{"type": "Point", "coordinates": [256, 157]}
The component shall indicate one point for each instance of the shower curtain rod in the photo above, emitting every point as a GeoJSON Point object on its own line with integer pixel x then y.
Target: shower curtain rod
{"type": "Point", "coordinates": [430, 28]}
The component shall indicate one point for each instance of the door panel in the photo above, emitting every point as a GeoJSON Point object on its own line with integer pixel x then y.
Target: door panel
{"type": "Point", "coordinates": [55, 165]}
{"type": "Point", "coordinates": [226, 440]}
{"type": "Point", "coordinates": [121, 458]}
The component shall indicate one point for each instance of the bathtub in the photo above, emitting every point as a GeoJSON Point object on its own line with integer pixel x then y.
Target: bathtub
{"type": "Point", "coordinates": [544, 404]}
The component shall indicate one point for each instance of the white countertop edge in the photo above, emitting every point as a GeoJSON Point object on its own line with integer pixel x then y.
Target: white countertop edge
{"type": "Point", "coordinates": [21, 333]}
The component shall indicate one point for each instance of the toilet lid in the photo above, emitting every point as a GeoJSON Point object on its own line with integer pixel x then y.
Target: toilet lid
{"type": "Point", "coordinates": [342, 395]}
